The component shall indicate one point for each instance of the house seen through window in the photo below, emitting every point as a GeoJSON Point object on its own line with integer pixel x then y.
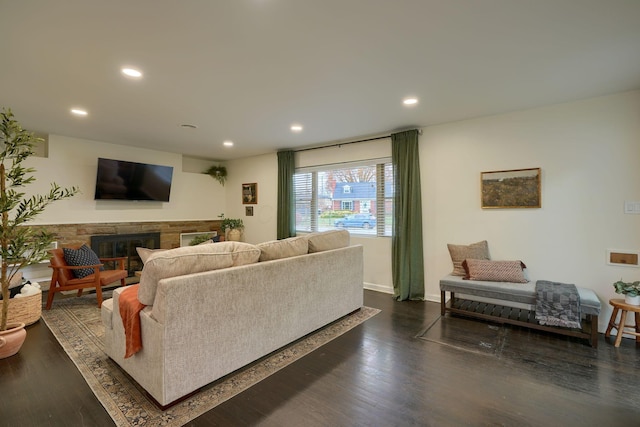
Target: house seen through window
{"type": "Point", "coordinates": [356, 196]}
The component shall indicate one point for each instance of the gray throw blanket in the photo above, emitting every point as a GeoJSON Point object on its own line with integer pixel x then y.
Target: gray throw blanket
{"type": "Point", "coordinates": [557, 304]}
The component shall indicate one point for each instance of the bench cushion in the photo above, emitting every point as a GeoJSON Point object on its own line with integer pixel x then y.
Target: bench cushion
{"type": "Point", "coordinates": [524, 293]}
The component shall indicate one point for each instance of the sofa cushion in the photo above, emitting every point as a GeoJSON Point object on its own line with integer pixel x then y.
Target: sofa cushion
{"type": "Point", "coordinates": [285, 248]}
{"type": "Point", "coordinates": [327, 240]}
{"type": "Point", "coordinates": [145, 253]}
{"type": "Point", "coordinates": [494, 271]}
{"type": "Point", "coordinates": [178, 262]}
{"type": "Point", "coordinates": [459, 253]}
{"type": "Point", "coordinates": [81, 256]}
{"type": "Point", "coordinates": [242, 253]}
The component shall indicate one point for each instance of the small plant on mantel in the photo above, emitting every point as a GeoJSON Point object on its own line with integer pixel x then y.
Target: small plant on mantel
{"type": "Point", "coordinates": [20, 245]}
{"type": "Point", "coordinates": [230, 223]}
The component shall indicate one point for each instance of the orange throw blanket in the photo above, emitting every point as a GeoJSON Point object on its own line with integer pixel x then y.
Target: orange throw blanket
{"type": "Point", "coordinates": [130, 309]}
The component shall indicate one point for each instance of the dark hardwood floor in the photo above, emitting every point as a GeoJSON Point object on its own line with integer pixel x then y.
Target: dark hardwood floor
{"type": "Point", "coordinates": [378, 374]}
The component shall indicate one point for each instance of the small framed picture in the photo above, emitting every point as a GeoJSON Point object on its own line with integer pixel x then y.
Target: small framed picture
{"type": "Point", "coordinates": [518, 188]}
{"type": "Point", "coordinates": [250, 194]}
{"type": "Point", "coordinates": [248, 210]}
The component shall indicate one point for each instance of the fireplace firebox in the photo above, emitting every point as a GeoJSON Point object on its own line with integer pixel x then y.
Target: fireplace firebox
{"type": "Point", "coordinates": [124, 245]}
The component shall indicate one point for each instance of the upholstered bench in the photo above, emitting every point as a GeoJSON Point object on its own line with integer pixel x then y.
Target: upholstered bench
{"type": "Point", "coordinates": [522, 293]}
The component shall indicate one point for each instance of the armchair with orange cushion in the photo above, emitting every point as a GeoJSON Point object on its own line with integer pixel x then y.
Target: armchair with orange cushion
{"type": "Point", "coordinates": [80, 268]}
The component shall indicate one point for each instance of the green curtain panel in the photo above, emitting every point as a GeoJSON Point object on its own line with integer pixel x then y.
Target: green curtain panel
{"type": "Point", "coordinates": [407, 263]}
{"type": "Point", "coordinates": [286, 207]}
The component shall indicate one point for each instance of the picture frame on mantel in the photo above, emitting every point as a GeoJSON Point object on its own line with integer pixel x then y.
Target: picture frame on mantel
{"type": "Point", "coordinates": [511, 189]}
{"type": "Point", "coordinates": [250, 194]}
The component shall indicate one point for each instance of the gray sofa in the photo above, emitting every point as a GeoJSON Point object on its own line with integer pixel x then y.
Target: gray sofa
{"type": "Point", "coordinates": [201, 326]}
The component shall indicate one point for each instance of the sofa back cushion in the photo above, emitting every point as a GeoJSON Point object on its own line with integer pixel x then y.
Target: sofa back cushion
{"type": "Point", "coordinates": [285, 248]}
{"type": "Point", "coordinates": [327, 240]}
{"type": "Point", "coordinates": [191, 259]}
{"type": "Point", "coordinates": [242, 253]}
{"type": "Point", "coordinates": [145, 253]}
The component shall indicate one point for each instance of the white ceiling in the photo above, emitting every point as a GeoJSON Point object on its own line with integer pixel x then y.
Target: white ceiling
{"type": "Point", "coordinates": [245, 70]}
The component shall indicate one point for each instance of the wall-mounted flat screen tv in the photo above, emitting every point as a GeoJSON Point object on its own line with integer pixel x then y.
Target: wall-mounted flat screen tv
{"type": "Point", "coordinates": [121, 180]}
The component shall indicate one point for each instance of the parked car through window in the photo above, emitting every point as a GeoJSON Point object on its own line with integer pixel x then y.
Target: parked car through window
{"type": "Point", "coordinates": [365, 221]}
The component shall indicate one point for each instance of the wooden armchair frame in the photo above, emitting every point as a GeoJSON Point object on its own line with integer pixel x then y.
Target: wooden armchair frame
{"type": "Point", "coordinates": [63, 279]}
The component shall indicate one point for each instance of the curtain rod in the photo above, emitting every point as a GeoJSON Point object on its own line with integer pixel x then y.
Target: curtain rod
{"type": "Point", "coordinates": [339, 144]}
{"type": "Point", "coordinates": [342, 143]}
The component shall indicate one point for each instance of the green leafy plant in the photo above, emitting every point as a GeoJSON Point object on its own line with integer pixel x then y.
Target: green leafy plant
{"type": "Point", "coordinates": [627, 288]}
{"type": "Point", "coordinates": [218, 172]}
{"type": "Point", "coordinates": [230, 223]}
{"type": "Point", "coordinates": [20, 245]}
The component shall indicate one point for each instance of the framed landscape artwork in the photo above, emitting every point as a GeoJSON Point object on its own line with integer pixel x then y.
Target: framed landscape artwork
{"type": "Point", "coordinates": [250, 194]}
{"type": "Point", "coordinates": [517, 188]}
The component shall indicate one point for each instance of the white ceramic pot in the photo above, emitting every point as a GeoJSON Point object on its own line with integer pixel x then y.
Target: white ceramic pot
{"type": "Point", "coordinates": [632, 300]}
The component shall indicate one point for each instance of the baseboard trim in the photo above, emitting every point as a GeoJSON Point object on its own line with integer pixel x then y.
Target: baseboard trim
{"type": "Point", "coordinates": [378, 288]}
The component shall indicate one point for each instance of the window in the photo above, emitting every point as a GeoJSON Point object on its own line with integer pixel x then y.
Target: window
{"type": "Point", "coordinates": [356, 196]}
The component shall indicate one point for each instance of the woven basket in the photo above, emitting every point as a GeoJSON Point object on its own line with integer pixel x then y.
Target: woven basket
{"type": "Point", "coordinates": [27, 309]}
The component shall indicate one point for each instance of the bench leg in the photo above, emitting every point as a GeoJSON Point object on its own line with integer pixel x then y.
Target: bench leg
{"type": "Point", "coordinates": [443, 296]}
{"type": "Point", "coordinates": [594, 331]}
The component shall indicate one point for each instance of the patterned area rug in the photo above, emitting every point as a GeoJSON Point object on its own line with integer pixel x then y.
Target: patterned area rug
{"type": "Point", "coordinates": [76, 324]}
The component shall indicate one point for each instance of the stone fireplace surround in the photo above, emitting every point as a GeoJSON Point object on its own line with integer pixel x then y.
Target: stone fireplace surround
{"type": "Point", "coordinates": [75, 234]}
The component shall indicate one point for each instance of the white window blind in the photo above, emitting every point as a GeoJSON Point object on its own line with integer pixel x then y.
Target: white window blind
{"type": "Point", "coordinates": [355, 196]}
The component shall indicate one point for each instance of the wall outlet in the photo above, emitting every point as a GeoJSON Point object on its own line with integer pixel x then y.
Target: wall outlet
{"type": "Point", "coordinates": [631, 207]}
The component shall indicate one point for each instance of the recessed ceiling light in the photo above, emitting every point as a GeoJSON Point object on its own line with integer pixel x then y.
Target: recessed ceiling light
{"type": "Point", "coordinates": [79, 112]}
{"type": "Point", "coordinates": [410, 101]}
{"type": "Point", "coordinates": [228, 144]}
{"type": "Point", "coordinates": [296, 128]}
{"type": "Point", "coordinates": [131, 72]}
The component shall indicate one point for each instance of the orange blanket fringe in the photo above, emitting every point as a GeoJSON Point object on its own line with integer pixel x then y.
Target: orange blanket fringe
{"type": "Point", "coordinates": [130, 309]}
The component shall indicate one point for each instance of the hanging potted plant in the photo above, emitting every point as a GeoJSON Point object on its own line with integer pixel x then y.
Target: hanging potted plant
{"type": "Point", "coordinates": [630, 290]}
{"type": "Point", "coordinates": [219, 173]}
{"type": "Point", "coordinates": [20, 245]}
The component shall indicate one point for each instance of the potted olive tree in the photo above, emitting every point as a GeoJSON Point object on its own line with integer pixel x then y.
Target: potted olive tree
{"type": "Point", "coordinates": [20, 245]}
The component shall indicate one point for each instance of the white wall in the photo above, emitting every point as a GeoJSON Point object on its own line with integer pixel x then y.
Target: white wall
{"type": "Point", "coordinates": [72, 161]}
{"type": "Point", "coordinates": [262, 170]}
{"type": "Point", "coordinates": [589, 153]}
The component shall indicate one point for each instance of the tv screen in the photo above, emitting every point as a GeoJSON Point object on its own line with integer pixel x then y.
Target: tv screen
{"type": "Point", "coordinates": [121, 180]}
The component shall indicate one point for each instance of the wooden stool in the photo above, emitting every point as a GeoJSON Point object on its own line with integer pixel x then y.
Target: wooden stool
{"type": "Point", "coordinates": [623, 307]}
